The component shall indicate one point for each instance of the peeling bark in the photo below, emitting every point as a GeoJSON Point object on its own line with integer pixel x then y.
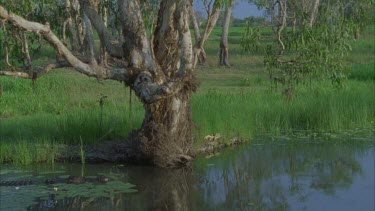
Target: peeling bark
{"type": "Point", "coordinates": [164, 87]}
{"type": "Point", "coordinates": [165, 137]}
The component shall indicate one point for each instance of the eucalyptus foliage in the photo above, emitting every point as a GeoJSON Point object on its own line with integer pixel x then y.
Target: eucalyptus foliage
{"type": "Point", "coordinates": [307, 45]}
{"type": "Point", "coordinates": [43, 11]}
{"type": "Point", "coordinates": [250, 40]}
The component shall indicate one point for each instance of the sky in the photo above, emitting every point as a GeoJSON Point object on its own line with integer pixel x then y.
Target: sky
{"type": "Point", "coordinates": [240, 10]}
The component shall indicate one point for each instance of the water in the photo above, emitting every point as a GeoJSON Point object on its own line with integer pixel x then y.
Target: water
{"type": "Point", "coordinates": [253, 177]}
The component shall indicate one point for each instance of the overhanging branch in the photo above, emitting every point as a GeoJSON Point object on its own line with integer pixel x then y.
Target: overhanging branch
{"type": "Point", "coordinates": [36, 73]}
{"type": "Point", "coordinates": [119, 74]}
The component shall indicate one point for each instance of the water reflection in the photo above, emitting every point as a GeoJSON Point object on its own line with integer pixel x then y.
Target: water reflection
{"type": "Point", "coordinates": [253, 177]}
{"type": "Point", "coordinates": [288, 177]}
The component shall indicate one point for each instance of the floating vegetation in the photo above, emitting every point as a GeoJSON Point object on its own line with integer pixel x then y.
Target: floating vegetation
{"type": "Point", "coordinates": [19, 198]}
{"type": "Point", "coordinates": [39, 193]}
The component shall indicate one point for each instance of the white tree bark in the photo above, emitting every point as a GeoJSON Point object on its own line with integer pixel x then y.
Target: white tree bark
{"type": "Point", "coordinates": [224, 52]}
{"type": "Point", "coordinates": [45, 31]}
{"type": "Point", "coordinates": [164, 87]}
{"type": "Point", "coordinates": [213, 11]}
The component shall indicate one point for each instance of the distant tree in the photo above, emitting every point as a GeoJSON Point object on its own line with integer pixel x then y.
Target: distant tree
{"type": "Point", "coordinates": [255, 20]}
{"type": "Point", "coordinates": [212, 8]}
{"type": "Point", "coordinates": [224, 52]}
{"type": "Point", "coordinates": [357, 14]}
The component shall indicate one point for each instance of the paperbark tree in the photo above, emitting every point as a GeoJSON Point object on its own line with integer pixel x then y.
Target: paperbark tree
{"type": "Point", "coordinates": [160, 74]}
{"type": "Point", "coordinates": [224, 52]}
{"type": "Point", "coordinates": [213, 8]}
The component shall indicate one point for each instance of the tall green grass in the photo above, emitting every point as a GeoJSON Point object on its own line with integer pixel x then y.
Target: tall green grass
{"type": "Point", "coordinates": [242, 113]}
{"type": "Point", "coordinates": [250, 113]}
{"type": "Point", "coordinates": [64, 107]}
{"type": "Point", "coordinates": [363, 72]}
{"type": "Point", "coordinates": [26, 151]}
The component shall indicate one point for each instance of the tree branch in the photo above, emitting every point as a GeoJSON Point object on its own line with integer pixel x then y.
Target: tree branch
{"type": "Point", "coordinates": [114, 50]}
{"type": "Point", "coordinates": [45, 31]}
{"type": "Point", "coordinates": [149, 92]}
{"type": "Point", "coordinates": [136, 47]}
{"type": "Point", "coordinates": [36, 73]}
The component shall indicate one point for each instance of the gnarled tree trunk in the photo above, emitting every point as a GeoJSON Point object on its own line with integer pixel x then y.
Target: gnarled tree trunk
{"type": "Point", "coordinates": [224, 53]}
{"type": "Point", "coordinates": [165, 138]}
{"type": "Point", "coordinates": [161, 76]}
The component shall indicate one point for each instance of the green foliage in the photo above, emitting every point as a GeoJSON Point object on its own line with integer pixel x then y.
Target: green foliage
{"type": "Point", "coordinates": [358, 13]}
{"type": "Point", "coordinates": [251, 37]}
{"type": "Point", "coordinates": [235, 103]}
{"type": "Point", "coordinates": [320, 108]}
{"type": "Point", "coordinates": [149, 11]}
{"type": "Point", "coordinates": [313, 52]}
{"type": "Point", "coordinates": [25, 196]}
{"type": "Point", "coordinates": [317, 51]}
{"type": "Point", "coordinates": [41, 11]}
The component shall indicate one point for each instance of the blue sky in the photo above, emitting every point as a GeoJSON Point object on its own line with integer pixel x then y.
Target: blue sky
{"type": "Point", "coordinates": [240, 10]}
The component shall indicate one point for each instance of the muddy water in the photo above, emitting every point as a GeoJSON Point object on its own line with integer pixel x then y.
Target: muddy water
{"type": "Point", "coordinates": [289, 176]}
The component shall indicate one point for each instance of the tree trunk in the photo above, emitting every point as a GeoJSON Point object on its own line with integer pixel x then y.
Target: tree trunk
{"type": "Point", "coordinates": [224, 54]}
{"type": "Point", "coordinates": [75, 6]}
{"type": "Point", "coordinates": [103, 57]}
{"type": "Point", "coordinates": [357, 33]}
{"type": "Point", "coordinates": [202, 57]}
{"type": "Point", "coordinates": [282, 18]}
{"type": "Point", "coordinates": [165, 138]}
{"type": "Point", "coordinates": [314, 13]}
{"type": "Point", "coordinates": [160, 74]}
{"type": "Point", "coordinates": [68, 22]}
{"type": "Point", "coordinates": [25, 50]}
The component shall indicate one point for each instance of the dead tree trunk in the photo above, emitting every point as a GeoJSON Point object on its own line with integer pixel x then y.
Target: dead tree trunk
{"type": "Point", "coordinates": [224, 53]}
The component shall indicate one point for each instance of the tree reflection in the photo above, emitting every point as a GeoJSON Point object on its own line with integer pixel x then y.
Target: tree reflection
{"type": "Point", "coordinates": [265, 177]}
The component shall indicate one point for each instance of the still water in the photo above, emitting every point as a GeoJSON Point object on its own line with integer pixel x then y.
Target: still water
{"type": "Point", "coordinates": [289, 176]}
